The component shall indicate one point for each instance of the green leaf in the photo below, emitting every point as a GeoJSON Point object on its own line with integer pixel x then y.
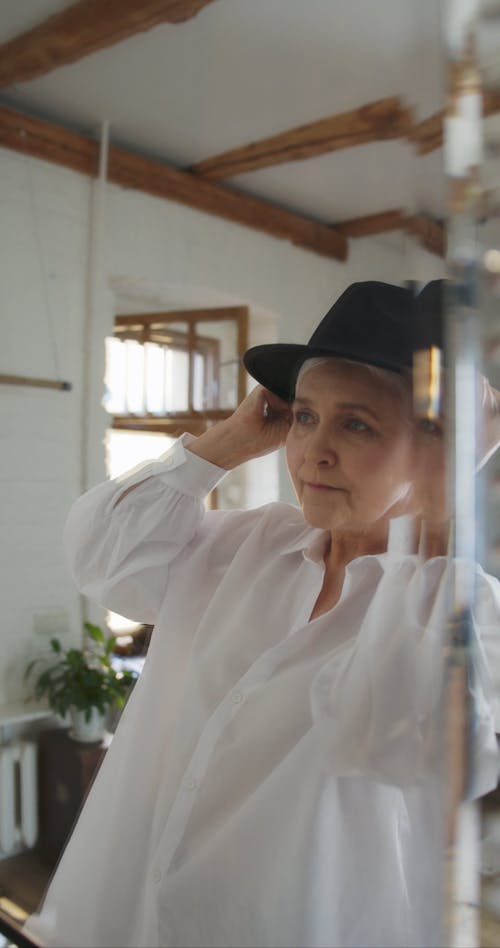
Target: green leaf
{"type": "Point", "coordinates": [79, 677]}
{"type": "Point", "coordinates": [94, 632]}
{"type": "Point", "coordinates": [29, 667]}
{"type": "Point", "coordinates": [110, 644]}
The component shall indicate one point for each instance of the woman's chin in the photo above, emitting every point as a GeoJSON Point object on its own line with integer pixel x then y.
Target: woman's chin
{"type": "Point", "coordinates": [347, 522]}
{"type": "Point", "coordinates": [316, 517]}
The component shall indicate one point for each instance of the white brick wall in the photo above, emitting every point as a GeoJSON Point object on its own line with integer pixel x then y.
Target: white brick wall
{"type": "Point", "coordinates": [43, 238]}
{"type": "Point", "coordinates": [44, 244]}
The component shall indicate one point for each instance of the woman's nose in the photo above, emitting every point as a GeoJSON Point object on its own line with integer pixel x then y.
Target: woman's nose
{"type": "Point", "coordinates": [321, 451]}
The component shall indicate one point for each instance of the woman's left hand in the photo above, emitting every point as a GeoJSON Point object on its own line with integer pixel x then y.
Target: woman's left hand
{"type": "Point", "coordinates": [259, 425]}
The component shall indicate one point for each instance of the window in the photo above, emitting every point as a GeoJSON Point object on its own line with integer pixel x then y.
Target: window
{"type": "Point", "coordinates": [177, 371]}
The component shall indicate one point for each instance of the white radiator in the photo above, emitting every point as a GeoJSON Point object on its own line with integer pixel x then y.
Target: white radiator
{"type": "Point", "coordinates": [18, 796]}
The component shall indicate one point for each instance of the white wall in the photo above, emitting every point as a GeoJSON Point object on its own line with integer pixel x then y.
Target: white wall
{"type": "Point", "coordinates": [43, 241]}
{"type": "Point", "coordinates": [152, 249]}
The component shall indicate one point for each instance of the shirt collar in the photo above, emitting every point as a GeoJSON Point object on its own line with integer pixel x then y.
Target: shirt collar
{"type": "Point", "coordinates": [310, 541]}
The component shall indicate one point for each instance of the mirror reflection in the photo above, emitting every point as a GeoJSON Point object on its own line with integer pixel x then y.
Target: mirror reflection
{"type": "Point", "coordinates": [230, 570]}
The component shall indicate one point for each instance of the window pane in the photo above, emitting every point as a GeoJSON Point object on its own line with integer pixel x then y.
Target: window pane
{"type": "Point", "coordinates": [115, 377]}
{"type": "Point", "coordinates": [176, 380]}
{"type": "Point", "coordinates": [154, 378]}
{"type": "Point", "coordinates": [135, 377]}
{"type": "Point", "coordinates": [225, 393]}
{"type": "Point", "coordinates": [183, 366]}
{"type": "Point", "coordinates": [125, 449]}
{"type": "Point", "coordinates": [199, 391]}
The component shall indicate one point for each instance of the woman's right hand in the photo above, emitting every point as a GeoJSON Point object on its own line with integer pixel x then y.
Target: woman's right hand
{"type": "Point", "coordinates": [259, 425]}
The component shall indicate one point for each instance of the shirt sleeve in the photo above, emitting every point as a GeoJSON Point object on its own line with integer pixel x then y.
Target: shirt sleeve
{"type": "Point", "coordinates": [119, 552]}
{"type": "Point", "coordinates": [376, 705]}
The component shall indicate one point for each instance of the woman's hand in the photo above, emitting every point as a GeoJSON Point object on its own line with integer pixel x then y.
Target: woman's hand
{"type": "Point", "coordinates": [258, 426]}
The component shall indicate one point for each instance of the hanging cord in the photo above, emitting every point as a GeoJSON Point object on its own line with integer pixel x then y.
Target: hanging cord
{"type": "Point", "coordinates": [43, 269]}
{"type": "Point", "coordinates": [20, 380]}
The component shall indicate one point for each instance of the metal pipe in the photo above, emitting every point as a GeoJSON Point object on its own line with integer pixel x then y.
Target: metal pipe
{"type": "Point", "coordinates": [463, 157]}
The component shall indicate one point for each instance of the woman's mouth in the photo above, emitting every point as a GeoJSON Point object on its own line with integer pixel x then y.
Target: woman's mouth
{"type": "Point", "coordinates": [315, 486]}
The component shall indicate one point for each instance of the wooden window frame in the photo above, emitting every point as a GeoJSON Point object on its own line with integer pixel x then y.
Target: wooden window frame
{"type": "Point", "coordinates": [146, 327]}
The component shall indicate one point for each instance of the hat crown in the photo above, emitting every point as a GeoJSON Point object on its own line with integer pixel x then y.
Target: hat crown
{"type": "Point", "coordinates": [430, 304]}
{"type": "Point", "coordinates": [370, 322]}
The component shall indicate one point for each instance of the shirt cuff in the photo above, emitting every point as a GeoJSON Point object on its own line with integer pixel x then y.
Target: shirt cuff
{"type": "Point", "coordinates": [179, 469]}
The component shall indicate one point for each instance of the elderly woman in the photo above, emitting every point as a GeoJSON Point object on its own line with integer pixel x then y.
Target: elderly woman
{"type": "Point", "coordinates": [274, 780]}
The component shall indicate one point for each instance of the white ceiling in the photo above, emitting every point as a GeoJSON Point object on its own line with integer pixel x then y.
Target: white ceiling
{"type": "Point", "coordinates": [246, 69]}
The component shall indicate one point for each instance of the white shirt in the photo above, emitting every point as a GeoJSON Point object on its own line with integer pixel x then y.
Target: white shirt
{"type": "Point", "coordinates": [273, 781]}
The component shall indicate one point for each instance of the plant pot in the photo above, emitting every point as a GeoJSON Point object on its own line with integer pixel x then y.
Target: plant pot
{"type": "Point", "coordinates": [91, 731]}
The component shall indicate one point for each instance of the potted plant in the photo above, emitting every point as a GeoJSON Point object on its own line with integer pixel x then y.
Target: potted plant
{"type": "Point", "coordinates": [82, 682]}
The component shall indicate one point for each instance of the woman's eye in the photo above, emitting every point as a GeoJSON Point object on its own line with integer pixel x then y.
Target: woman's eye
{"type": "Point", "coordinates": [356, 424]}
{"type": "Point", "coordinates": [431, 427]}
{"type": "Point", "coordinates": [302, 417]}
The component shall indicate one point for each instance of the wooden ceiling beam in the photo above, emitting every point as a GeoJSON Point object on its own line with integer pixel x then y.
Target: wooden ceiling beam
{"type": "Point", "coordinates": [373, 224]}
{"type": "Point", "coordinates": [83, 28]}
{"type": "Point", "coordinates": [376, 121]}
{"type": "Point", "coordinates": [428, 134]}
{"type": "Point", "coordinates": [161, 180]}
{"type": "Point", "coordinates": [50, 142]}
{"type": "Point", "coordinates": [430, 234]}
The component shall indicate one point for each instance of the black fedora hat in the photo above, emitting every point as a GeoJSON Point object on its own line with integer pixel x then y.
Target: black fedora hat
{"type": "Point", "coordinates": [371, 322]}
{"type": "Point", "coordinates": [430, 306]}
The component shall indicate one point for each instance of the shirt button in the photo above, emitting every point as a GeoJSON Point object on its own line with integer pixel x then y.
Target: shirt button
{"type": "Point", "coordinates": [190, 783]}
{"type": "Point", "coordinates": [157, 875]}
{"type": "Point", "coordinates": [237, 697]}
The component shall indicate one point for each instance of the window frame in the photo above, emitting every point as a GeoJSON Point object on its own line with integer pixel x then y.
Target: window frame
{"type": "Point", "coordinates": [146, 327]}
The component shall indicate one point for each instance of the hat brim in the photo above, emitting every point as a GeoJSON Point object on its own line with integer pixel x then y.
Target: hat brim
{"type": "Point", "coordinates": [276, 366]}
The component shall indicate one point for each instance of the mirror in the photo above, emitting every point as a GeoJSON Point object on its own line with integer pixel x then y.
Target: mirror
{"type": "Point", "coordinates": [135, 186]}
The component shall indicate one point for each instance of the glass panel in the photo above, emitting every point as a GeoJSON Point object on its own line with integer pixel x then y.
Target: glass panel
{"type": "Point", "coordinates": [154, 378]}
{"type": "Point", "coordinates": [125, 449]}
{"type": "Point", "coordinates": [134, 377]}
{"type": "Point", "coordinates": [199, 375]}
{"type": "Point", "coordinates": [115, 376]}
{"type": "Point", "coordinates": [225, 393]}
{"type": "Point", "coordinates": [176, 380]}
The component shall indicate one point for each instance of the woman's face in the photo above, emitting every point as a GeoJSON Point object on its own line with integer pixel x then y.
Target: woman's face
{"type": "Point", "coordinates": [350, 448]}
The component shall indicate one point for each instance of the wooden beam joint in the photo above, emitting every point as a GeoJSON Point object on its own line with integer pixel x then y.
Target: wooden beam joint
{"type": "Point", "coordinates": [431, 234]}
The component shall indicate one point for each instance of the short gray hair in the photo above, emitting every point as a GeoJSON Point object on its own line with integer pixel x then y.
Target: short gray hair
{"type": "Point", "coordinates": [400, 382]}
